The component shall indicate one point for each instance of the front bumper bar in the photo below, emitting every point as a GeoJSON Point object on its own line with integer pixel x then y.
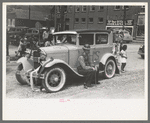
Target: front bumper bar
{"type": "Point", "coordinates": [36, 75]}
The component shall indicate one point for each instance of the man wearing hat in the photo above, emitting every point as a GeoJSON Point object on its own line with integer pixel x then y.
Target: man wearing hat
{"type": "Point", "coordinates": [90, 73]}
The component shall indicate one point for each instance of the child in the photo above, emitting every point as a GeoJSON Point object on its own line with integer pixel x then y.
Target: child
{"type": "Point", "coordinates": [123, 58]}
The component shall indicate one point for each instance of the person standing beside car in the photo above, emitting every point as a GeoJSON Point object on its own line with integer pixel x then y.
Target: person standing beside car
{"type": "Point", "coordinates": [123, 59]}
{"type": "Point", "coordinates": [84, 68]}
{"type": "Point", "coordinates": [45, 35]}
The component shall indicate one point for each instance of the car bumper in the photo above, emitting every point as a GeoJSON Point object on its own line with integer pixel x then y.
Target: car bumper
{"type": "Point", "coordinates": [36, 75]}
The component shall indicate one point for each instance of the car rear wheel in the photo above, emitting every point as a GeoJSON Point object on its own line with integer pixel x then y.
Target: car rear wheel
{"type": "Point", "coordinates": [55, 79]}
{"type": "Point", "coordinates": [110, 69]}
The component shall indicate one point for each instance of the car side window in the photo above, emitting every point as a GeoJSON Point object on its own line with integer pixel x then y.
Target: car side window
{"type": "Point", "coordinates": [86, 39]}
{"type": "Point", "coordinates": [101, 38]}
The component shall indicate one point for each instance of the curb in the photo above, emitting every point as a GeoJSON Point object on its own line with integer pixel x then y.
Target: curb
{"type": "Point", "coordinates": [138, 41]}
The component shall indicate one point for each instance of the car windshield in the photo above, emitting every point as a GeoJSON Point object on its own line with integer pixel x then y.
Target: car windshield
{"type": "Point", "coordinates": [65, 39]}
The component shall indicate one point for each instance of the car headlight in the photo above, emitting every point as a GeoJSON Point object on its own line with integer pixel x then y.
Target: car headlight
{"type": "Point", "coordinates": [43, 55]}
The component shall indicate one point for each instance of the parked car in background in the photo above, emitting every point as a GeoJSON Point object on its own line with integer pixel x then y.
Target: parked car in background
{"type": "Point", "coordinates": [62, 57]}
{"type": "Point", "coordinates": [127, 38]}
{"type": "Point", "coordinates": [120, 33]}
{"type": "Point", "coordinates": [15, 33]}
{"type": "Point", "coordinates": [141, 51]}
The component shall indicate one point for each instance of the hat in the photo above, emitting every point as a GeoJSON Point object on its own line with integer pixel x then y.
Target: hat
{"type": "Point", "coordinates": [86, 47]}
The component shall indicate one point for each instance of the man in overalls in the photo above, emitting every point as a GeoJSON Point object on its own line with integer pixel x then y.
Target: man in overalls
{"type": "Point", "coordinates": [90, 73]}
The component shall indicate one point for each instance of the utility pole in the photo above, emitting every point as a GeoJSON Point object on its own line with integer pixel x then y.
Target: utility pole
{"type": "Point", "coordinates": [29, 17]}
{"type": "Point", "coordinates": [62, 18]}
{"type": "Point", "coordinates": [124, 17]}
{"type": "Point", "coordinates": [87, 21]}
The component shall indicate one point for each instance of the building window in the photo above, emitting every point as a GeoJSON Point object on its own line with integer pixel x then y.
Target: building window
{"type": "Point", "coordinates": [101, 8]}
{"type": "Point", "coordinates": [58, 9]}
{"type": "Point", "coordinates": [77, 8]}
{"type": "Point", "coordinates": [142, 8]}
{"type": "Point", "coordinates": [117, 8]}
{"type": "Point", "coordinates": [90, 20]}
{"type": "Point", "coordinates": [9, 22]}
{"type": "Point", "coordinates": [92, 8]}
{"type": "Point", "coordinates": [70, 9]}
{"type": "Point", "coordinates": [76, 20]}
{"type": "Point", "coordinates": [65, 9]}
{"type": "Point", "coordinates": [127, 7]}
{"type": "Point", "coordinates": [67, 20]}
{"type": "Point", "coordinates": [83, 8]}
{"type": "Point", "coordinates": [13, 22]}
{"type": "Point", "coordinates": [100, 20]}
{"type": "Point", "coordinates": [83, 20]}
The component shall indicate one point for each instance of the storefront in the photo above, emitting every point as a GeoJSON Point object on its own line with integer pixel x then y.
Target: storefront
{"type": "Point", "coordinates": [141, 25]}
{"type": "Point", "coordinates": [118, 24]}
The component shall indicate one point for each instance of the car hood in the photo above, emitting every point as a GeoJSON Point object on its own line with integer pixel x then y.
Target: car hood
{"type": "Point", "coordinates": [55, 49]}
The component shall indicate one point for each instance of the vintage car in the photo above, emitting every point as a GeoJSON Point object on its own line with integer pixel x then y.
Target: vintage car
{"type": "Point", "coordinates": [127, 37]}
{"type": "Point", "coordinates": [62, 57]}
{"type": "Point", "coordinates": [141, 51]}
{"type": "Point", "coordinates": [15, 33]}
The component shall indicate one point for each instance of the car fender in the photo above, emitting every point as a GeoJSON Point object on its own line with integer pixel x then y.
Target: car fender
{"type": "Point", "coordinates": [26, 63]}
{"type": "Point", "coordinates": [105, 58]}
{"type": "Point", "coordinates": [60, 63]}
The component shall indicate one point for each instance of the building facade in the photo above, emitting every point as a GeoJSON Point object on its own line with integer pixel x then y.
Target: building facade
{"type": "Point", "coordinates": [79, 17]}
{"type": "Point", "coordinates": [29, 16]}
{"type": "Point", "coordinates": [131, 18]}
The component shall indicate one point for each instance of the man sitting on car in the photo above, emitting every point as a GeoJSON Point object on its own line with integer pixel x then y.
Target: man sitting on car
{"type": "Point", "coordinates": [90, 73]}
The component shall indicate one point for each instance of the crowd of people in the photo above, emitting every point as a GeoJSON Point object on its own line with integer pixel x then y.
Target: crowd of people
{"type": "Point", "coordinates": [33, 42]}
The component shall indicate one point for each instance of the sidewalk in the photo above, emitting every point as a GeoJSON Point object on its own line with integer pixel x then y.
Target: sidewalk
{"type": "Point", "coordinates": [138, 41]}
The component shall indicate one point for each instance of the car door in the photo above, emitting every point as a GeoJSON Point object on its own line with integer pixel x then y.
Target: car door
{"type": "Point", "coordinates": [86, 38]}
{"type": "Point", "coordinates": [102, 46]}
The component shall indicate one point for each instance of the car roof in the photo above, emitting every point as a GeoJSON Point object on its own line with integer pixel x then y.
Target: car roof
{"type": "Point", "coordinates": [80, 31]}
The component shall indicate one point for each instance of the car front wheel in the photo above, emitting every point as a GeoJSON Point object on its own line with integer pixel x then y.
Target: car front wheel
{"type": "Point", "coordinates": [55, 79]}
{"type": "Point", "coordinates": [110, 69]}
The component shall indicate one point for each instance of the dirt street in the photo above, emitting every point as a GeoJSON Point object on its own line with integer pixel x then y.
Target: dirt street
{"type": "Point", "coordinates": [128, 85]}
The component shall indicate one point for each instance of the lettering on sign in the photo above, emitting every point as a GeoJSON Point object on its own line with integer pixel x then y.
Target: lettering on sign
{"type": "Point", "coordinates": [119, 22]}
